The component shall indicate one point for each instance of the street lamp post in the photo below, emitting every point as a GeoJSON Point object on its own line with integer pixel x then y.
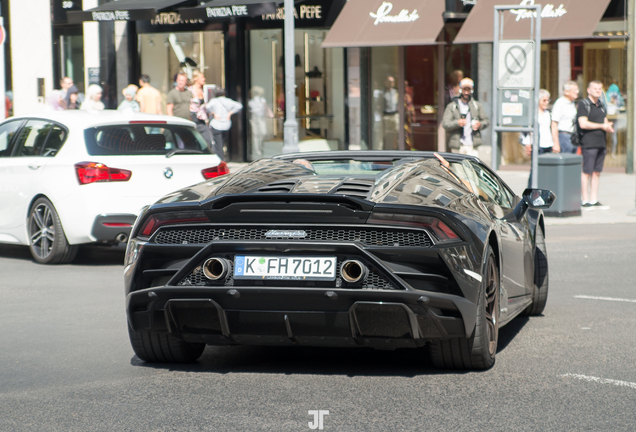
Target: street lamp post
{"type": "Point", "coordinates": [290, 128]}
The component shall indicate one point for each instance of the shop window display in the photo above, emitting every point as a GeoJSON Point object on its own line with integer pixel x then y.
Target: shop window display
{"type": "Point", "coordinates": [319, 80]}
{"type": "Point", "coordinates": [163, 55]}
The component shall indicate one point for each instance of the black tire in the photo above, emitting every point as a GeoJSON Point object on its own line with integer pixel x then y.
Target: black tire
{"type": "Point", "coordinates": [541, 279]}
{"type": "Point", "coordinates": [47, 240]}
{"type": "Point", "coordinates": [478, 351]}
{"type": "Point", "coordinates": [163, 348]}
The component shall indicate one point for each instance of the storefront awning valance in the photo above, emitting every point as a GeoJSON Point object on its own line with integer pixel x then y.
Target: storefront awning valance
{"type": "Point", "coordinates": [226, 9]}
{"type": "Point", "coordinates": [364, 23]}
{"type": "Point", "coordinates": [125, 10]}
{"type": "Point", "coordinates": [563, 19]}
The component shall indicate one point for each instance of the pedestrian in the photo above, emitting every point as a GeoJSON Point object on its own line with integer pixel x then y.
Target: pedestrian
{"type": "Point", "coordinates": [546, 139]}
{"type": "Point", "coordinates": [54, 101]}
{"type": "Point", "coordinates": [452, 89]}
{"type": "Point", "coordinates": [592, 118]}
{"type": "Point", "coordinates": [390, 114]}
{"type": "Point", "coordinates": [221, 109]}
{"type": "Point", "coordinates": [564, 116]}
{"type": "Point", "coordinates": [258, 113]}
{"type": "Point", "coordinates": [464, 118]}
{"type": "Point", "coordinates": [179, 98]}
{"type": "Point", "coordinates": [198, 113]}
{"type": "Point", "coordinates": [71, 101]}
{"type": "Point", "coordinates": [149, 98]}
{"type": "Point", "coordinates": [93, 101]}
{"type": "Point", "coordinates": [65, 84]}
{"type": "Point", "coordinates": [129, 104]}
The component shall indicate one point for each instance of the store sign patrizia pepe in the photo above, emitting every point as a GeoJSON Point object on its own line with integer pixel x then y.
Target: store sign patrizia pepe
{"type": "Point", "coordinates": [548, 11]}
{"type": "Point", "coordinates": [111, 16]}
{"type": "Point", "coordinates": [173, 18]}
{"type": "Point", "coordinates": [304, 12]}
{"type": "Point", "coordinates": [226, 11]}
{"type": "Point", "coordinates": [383, 15]}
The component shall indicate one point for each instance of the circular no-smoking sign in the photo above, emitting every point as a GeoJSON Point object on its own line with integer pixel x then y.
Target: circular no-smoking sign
{"type": "Point", "coordinates": [515, 59]}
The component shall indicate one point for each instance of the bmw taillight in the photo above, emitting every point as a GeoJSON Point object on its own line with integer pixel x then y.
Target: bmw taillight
{"type": "Point", "coordinates": [91, 172]}
{"type": "Point", "coordinates": [442, 231]}
{"type": "Point", "coordinates": [216, 171]}
{"type": "Point", "coordinates": [157, 220]}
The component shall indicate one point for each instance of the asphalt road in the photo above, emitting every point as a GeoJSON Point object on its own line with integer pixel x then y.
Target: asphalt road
{"type": "Point", "coordinates": [66, 363]}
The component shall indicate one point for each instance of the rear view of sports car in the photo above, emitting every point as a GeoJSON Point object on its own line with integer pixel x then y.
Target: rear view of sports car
{"type": "Point", "coordinates": [342, 249]}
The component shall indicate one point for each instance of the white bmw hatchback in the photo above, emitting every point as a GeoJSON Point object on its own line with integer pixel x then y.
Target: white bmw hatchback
{"type": "Point", "coordinates": [69, 178]}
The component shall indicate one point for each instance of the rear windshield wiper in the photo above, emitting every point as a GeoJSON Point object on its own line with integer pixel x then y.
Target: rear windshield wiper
{"type": "Point", "coordinates": [183, 151]}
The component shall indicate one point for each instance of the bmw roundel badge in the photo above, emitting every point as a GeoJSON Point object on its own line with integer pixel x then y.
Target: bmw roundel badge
{"type": "Point", "coordinates": [167, 172]}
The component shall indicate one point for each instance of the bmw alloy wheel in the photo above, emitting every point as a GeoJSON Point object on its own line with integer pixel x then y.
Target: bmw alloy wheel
{"type": "Point", "coordinates": [42, 230]}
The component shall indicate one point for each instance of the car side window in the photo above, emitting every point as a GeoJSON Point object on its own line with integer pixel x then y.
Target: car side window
{"type": "Point", "coordinates": [491, 186]}
{"type": "Point", "coordinates": [32, 138]}
{"type": "Point", "coordinates": [54, 142]}
{"type": "Point", "coordinates": [7, 132]}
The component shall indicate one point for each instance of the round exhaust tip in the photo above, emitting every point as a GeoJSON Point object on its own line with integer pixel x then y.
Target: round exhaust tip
{"type": "Point", "coordinates": [353, 271]}
{"type": "Point", "coordinates": [121, 238]}
{"type": "Point", "coordinates": [215, 268]}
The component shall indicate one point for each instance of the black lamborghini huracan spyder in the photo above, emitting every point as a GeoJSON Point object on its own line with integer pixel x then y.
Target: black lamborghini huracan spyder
{"type": "Point", "coordinates": [381, 249]}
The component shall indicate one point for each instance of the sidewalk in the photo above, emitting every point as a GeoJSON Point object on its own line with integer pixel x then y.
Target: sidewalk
{"type": "Point", "coordinates": [616, 190]}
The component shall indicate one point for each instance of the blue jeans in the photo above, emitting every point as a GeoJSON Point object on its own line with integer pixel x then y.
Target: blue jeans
{"type": "Point", "coordinates": [542, 150]}
{"type": "Point", "coordinates": [565, 141]}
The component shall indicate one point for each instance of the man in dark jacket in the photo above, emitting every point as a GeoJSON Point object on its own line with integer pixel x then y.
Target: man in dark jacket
{"type": "Point", "coordinates": [463, 120]}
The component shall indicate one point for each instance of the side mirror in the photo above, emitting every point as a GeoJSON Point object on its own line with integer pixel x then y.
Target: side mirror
{"type": "Point", "coordinates": [539, 198]}
{"type": "Point", "coordinates": [534, 198]}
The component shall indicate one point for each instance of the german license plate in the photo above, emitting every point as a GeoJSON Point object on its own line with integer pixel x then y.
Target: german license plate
{"type": "Point", "coordinates": [284, 268]}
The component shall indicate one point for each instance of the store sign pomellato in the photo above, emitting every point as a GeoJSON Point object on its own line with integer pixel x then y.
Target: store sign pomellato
{"type": "Point", "coordinates": [383, 15]}
{"type": "Point", "coordinates": [548, 11]}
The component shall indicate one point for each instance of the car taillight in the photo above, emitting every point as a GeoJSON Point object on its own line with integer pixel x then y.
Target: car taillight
{"type": "Point", "coordinates": [91, 172]}
{"type": "Point", "coordinates": [442, 231]}
{"type": "Point", "coordinates": [153, 222]}
{"type": "Point", "coordinates": [216, 171]}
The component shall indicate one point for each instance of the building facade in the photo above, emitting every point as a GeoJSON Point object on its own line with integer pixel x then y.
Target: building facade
{"type": "Point", "coordinates": [370, 74]}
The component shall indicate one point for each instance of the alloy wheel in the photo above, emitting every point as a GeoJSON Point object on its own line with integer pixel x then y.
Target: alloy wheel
{"type": "Point", "coordinates": [492, 307]}
{"type": "Point", "coordinates": [42, 230]}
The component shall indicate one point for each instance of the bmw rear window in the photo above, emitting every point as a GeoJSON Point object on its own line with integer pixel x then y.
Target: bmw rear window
{"type": "Point", "coordinates": [143, 139]}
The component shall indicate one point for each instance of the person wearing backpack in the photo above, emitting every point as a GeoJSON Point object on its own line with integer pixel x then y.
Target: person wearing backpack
{"type": "Point", "coordinates": [593, 124]}
{"type": "Point", "coordinates": [564, 117]}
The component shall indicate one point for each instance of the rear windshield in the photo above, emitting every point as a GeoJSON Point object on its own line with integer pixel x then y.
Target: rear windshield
{"type": "Point", "coordinates": [143, 139]}
{"type": "Point", "coordinates": [351, 167]}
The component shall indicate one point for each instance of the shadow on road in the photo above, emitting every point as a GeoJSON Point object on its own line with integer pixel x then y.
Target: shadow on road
{"type": "Point", "coordinates": [510, 331]}
{"type": "Point", "coordinates": [323, 361]}
{"type": "Point", "coordinates": [91, 255]}
{"type": "Point", "coordinates": [306, 360]}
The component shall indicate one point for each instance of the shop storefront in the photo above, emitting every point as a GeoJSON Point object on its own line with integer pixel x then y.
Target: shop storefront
{"type": "Point", "coordinates": [396, 59]}
{"type": "Point", "coordinates": [582, 41]}
{"type": "Point", "coordinates": [238, 45]}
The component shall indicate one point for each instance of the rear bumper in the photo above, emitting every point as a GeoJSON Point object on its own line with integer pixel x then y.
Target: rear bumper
{"type": "Point", "coordinates": [111, 227]}
{"type": "Point", "coordinates": [300, 316]}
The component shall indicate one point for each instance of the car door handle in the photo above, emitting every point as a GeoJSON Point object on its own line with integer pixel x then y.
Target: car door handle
{"type": "Point", "coordinates": [34, 167]}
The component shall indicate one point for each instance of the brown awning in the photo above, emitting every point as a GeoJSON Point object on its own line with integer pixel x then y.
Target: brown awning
{"type": "Point", "coordinates": [562, 19]}
{"type": "Point", "coordinates": [364, 23]}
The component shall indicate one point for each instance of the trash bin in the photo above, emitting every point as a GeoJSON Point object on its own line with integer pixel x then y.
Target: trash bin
{"type": "Point", "coordinates": [561, 173]}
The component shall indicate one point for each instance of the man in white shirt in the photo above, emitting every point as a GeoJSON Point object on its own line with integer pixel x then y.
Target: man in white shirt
{"type": "Point", "coordinates": [564, 116]}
